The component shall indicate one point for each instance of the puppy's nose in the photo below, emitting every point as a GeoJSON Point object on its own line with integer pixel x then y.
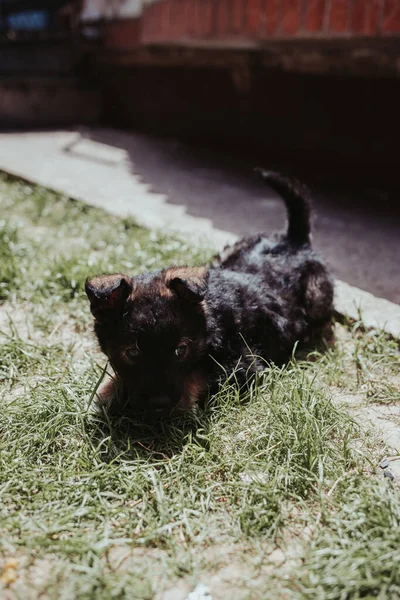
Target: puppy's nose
{"type": "Point", "coordinates": [159, 401]}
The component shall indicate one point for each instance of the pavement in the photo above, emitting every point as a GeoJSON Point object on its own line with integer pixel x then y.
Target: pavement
{"type": "Point", "coordinates": [214, 199]}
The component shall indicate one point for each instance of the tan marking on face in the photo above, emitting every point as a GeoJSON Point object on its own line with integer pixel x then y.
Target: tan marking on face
{"type": "Point", "coordinates": [195, 274]}
{"type": "Point", "coordinates": [104, 282]}
{"type": "Point", "coordinates": [155, 288]}
{"type": "Point", "coordinates": [165, 292]}
{"type": "Point", "coordinates": [194, 387]}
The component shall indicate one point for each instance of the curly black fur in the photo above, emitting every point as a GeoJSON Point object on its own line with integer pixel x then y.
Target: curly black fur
{"type": "Point", "coordinates": [171, 335]}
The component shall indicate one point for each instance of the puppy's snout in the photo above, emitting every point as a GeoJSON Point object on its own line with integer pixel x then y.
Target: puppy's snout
{"type": "Point", "coordinates": [159, 401]}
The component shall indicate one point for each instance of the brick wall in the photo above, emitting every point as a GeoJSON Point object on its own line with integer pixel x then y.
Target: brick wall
{"type": "Point", "coordinates": [236, 22]}
{"type": "Point", "coordinates": [122, 33]}
{"type": "Point", "coordinates": [274, 97]}
{"type": "Point", "coordinates": [180, 20]}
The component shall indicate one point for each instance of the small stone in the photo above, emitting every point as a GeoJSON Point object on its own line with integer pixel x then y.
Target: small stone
{"type": "Point", "coordinates": [395, 468]}
{"type": "Point", "coordinates": [388, 474]}
{"type": "Point", "coordinates": [200, 593]}
{"type": "Point", "coordinates": [9, 572]}
{"type": "Point", "coordinates": [384, 464]}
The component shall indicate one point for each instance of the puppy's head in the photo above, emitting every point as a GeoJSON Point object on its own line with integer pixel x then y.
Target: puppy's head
{"type": "Point", "coordinates": [153, 330]}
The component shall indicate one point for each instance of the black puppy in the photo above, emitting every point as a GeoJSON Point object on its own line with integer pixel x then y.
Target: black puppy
{"type": "Point", "coordinates": [172, 334]}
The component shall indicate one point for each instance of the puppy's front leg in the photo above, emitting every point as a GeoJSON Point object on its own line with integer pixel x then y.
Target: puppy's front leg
{"type": "Point", "coordinates": [107, 394]}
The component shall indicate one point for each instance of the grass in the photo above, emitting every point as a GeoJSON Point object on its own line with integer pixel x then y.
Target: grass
{"type": "Point", "coordinates": [94, 509]}
{"type": "Point", "coordinates": [356, 556]}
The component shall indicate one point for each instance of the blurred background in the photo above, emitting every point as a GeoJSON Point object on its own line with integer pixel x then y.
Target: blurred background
{"type": "Point", "coordinates": [203, 90]}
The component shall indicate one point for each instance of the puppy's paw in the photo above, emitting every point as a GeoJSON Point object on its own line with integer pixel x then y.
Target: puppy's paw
{"type": "Point", "coordinates": [105, 395]}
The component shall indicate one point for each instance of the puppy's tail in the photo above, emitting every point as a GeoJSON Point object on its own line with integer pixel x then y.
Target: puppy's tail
{"type": "Point", "coordinates": [296, 197]}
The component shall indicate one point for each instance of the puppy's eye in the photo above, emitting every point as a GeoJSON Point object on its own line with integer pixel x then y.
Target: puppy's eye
{"type": "Point", "coordinates": [181, 351]}
{"type": "Point", "coordinates": [132, 353]}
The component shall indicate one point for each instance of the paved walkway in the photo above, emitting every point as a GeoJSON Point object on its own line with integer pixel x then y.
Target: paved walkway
{"type": "Point", "coordinates": [170, 186]}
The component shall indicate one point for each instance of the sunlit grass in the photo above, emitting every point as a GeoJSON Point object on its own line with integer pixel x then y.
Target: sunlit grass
{"type": "Point", "coordinates": [125, 508]}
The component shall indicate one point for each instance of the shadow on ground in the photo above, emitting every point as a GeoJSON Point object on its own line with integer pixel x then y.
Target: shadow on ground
{"type": "Point", "coordinates": [356, 223]}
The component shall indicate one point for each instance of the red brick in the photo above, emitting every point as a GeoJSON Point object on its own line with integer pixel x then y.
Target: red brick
{"type": "Point", "coordinates": [238, 20]}
{"type": "Point", "coordinates": [391, 17]}
{"type": "Point", "coordinates": [365, 17]}
{"type": "Point", "coordinates": [254, 17]}
{"type": "Point", "coordinates": [222, 18]}
{"type": "Point", "coordinates": [202, 15]}
{"type": "Point", "coordinates": [190, 8]}
{"type": "Point", "coordinates": [181, 16]}
{"type": "Point", "coordinates": [339, 17]}
{"type": "Point", "coordinates": [196, 18]}
{"type": "Point", "coordinates": [155, 22]}
{"type": "Point", "coordinates": [171, 21]}
{"type": "Point", "coordinates": [272, 16]}
{"type": "Point", "coordinates": [173, 18]}
{"type": "Point", "coordinates": [208, 18]}
{"type": "Point", "coordinates": [146, 23]}
{"type": "Point", "coordinates": [160, 21]}
{"type": "Point", "coordinates": [122, 33]}
{"type": "Point", "coordinates": [291, 16]}
{"type": "Point", "coordinates": [315, 14]}
{"type": "Point", "coordinates": [166, 19]}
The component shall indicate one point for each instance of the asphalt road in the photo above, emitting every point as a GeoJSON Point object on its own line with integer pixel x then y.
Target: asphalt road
{"type": "Point", "coordinates": [356, 224]}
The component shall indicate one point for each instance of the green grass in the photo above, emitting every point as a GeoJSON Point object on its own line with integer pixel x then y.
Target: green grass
{"type": "Point", "coordinates": [357, 554]}
{"type": "Point", "coordinates": [97, 509]}
{"type": "Point", "coordinates": [11, 252]}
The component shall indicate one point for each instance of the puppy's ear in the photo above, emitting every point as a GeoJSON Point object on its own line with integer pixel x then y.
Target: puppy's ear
{"type": "Point", "coordinates": [188, 283]}
{"type": "Point", "coordinates": [107, 295]}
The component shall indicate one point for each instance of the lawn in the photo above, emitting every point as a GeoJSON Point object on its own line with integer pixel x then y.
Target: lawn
{"type": "Point", "coordinates": [275, 495]}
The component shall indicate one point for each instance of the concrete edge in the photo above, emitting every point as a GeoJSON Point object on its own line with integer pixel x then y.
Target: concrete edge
{"type": "Point", "coordinates": [350, 301]}
{"type": "Point", "coordinates": [374, 312]}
